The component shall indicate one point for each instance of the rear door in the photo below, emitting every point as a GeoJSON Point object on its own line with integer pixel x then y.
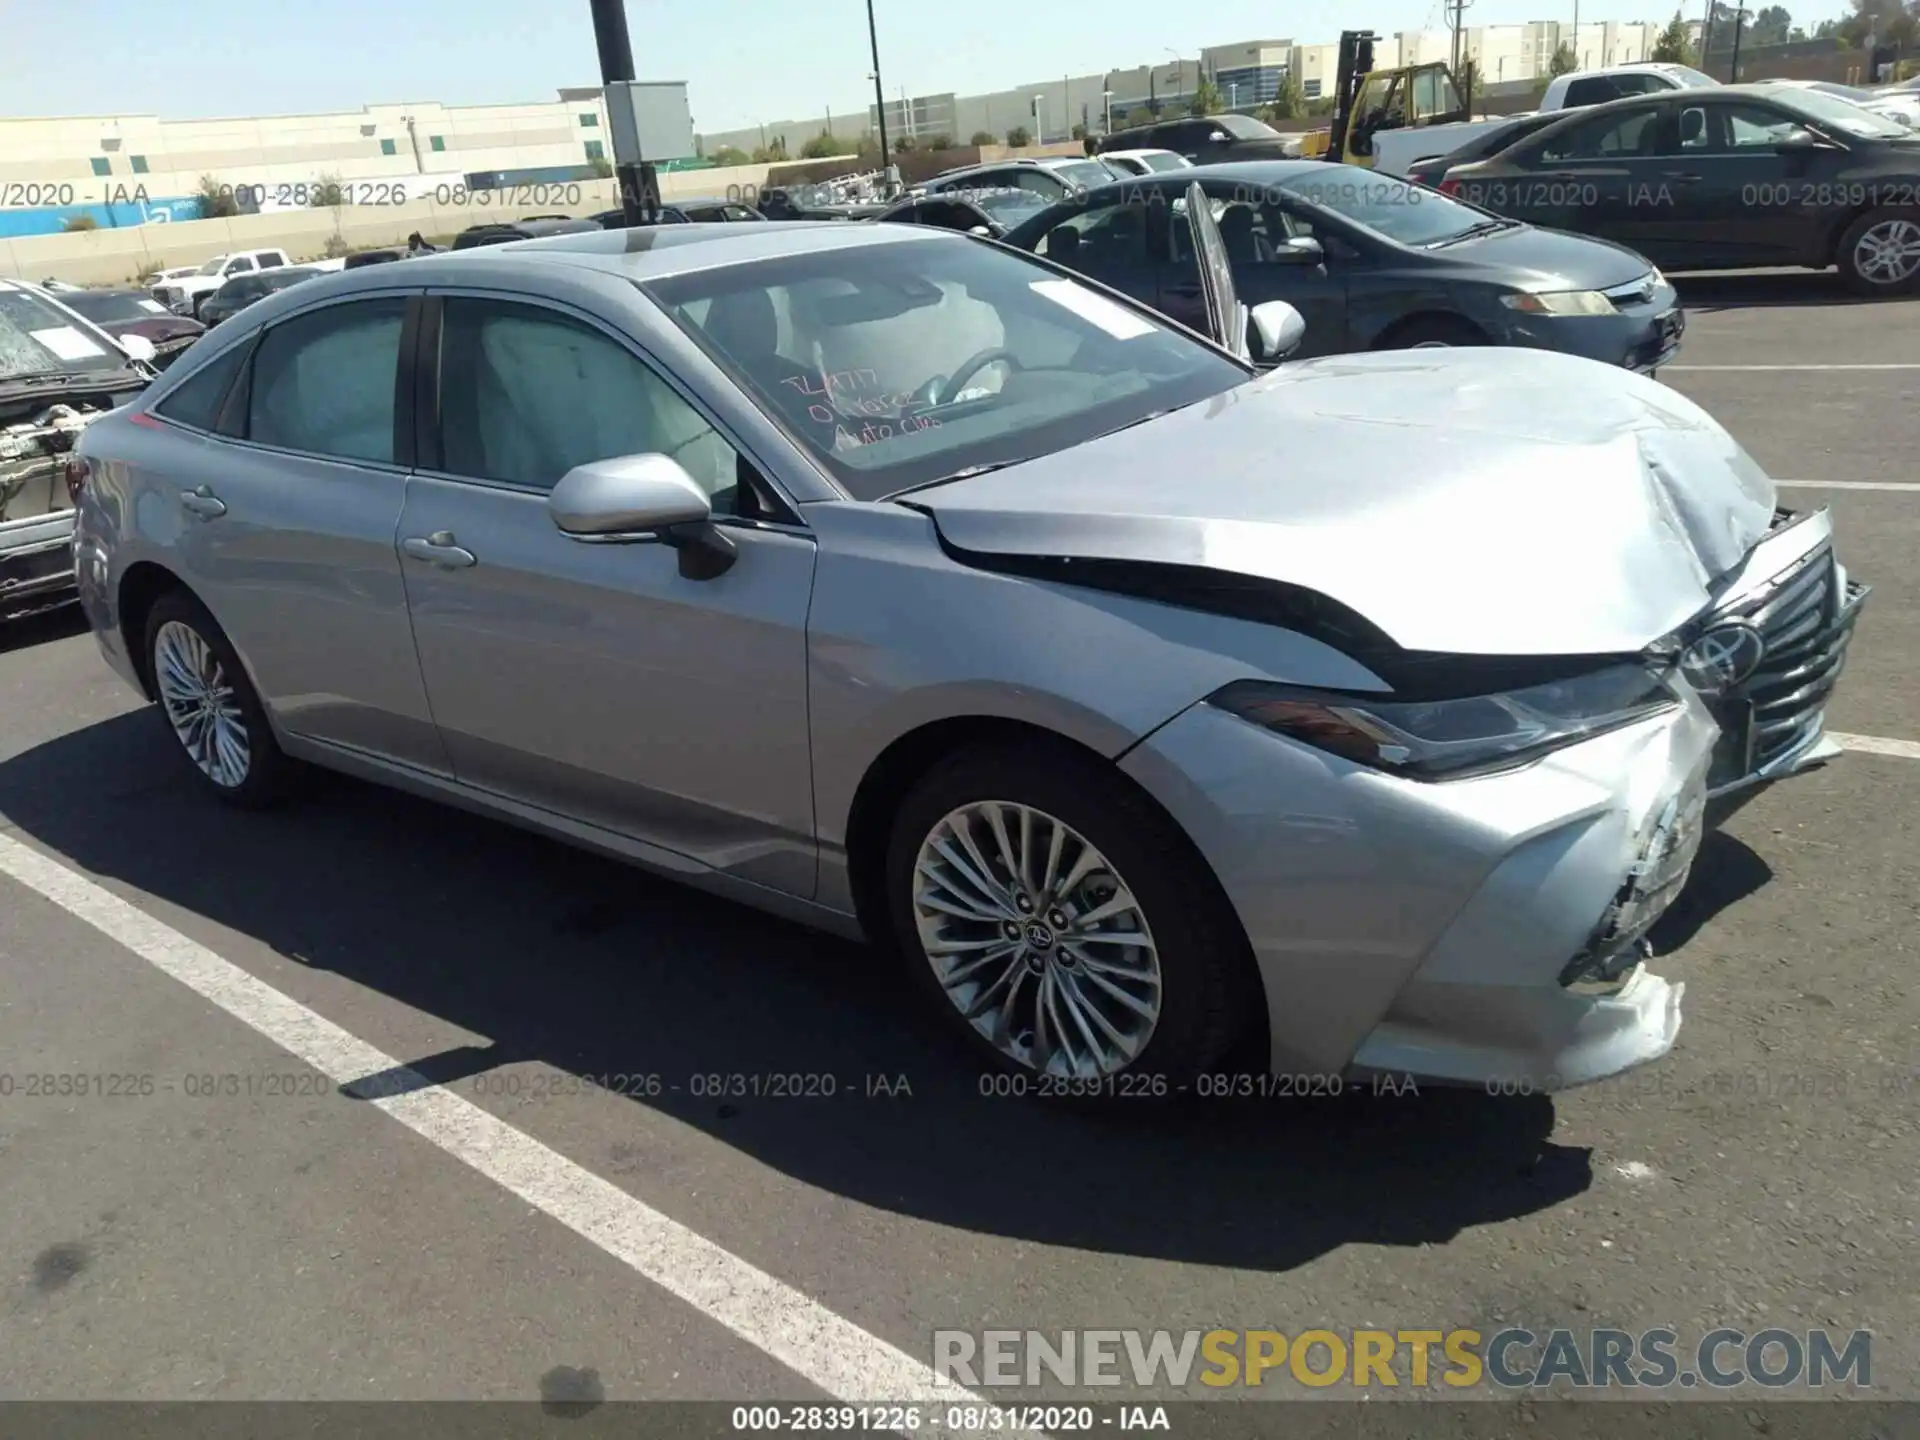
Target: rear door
{"type": "Point", "coordinates": [1604, 175]}
{"type": "Point", "coordinates": [287, 494]}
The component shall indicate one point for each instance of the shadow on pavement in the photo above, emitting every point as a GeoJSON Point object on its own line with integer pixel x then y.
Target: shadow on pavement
{"type": "Point", "coordinates": [598, 969]}
{"type": "Point", "coordinates": [1704, 294]}
{"type": "Point", "coordinates": [1725, 872]}
{"type": "Point", "coordinates": [42, 628]}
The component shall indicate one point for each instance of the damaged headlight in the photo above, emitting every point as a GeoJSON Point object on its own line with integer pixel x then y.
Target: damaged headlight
{"type": "Point", "coordinates": [1451, 739]}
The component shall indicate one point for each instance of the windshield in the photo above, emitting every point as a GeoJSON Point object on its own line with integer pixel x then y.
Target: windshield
{"type": "Point", "coordinates": [1832, 111]}
{"type": "Point", "coordinates": [280, 279]}
{"type": "Point", "coordinates": [899, 364]}
{"type": "Point", "coordinates": [108, 307]}
{"type": "Point", "coordinates": [37, 337]}
{"type": "Point", "coordinates": [1403, 212]}
{"type": "Point", "coordinates": [1009, 206]}
{"type": "Point", "coordinates": [1084, 173]}
{"type": "Point", "coordinates": [1244, 127]}
{"type": "Point", "coordinates": [212, 267]}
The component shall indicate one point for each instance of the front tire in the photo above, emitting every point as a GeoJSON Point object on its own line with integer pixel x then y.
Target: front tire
{"type": "Point", "coordinates": [1880, 253]}
{"type": "Point", "coordinates": [1062, 925]}
{"type": "Point", "coordinates": [210, 705]}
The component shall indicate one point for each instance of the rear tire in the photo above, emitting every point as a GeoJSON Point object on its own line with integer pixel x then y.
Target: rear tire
{"type": "Point", "coordinates": [1880, 253]}
{"type": "Point", "coordinates": [210, 706]}
{"type": "Point", "coordinates": [1091, 1015]}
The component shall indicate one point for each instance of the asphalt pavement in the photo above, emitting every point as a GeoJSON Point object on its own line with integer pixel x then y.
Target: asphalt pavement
{"type": "Point", "coordinates": [576, 1182]}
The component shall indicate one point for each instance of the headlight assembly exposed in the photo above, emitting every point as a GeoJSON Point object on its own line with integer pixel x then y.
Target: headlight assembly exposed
{"type": "Point", "coordinates": [1451, 739]}
{"type": "Point", "coordinates": [1560, 302]}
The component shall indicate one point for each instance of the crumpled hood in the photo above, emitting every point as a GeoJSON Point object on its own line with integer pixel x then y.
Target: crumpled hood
{"type": "Point", "coordinates": [1474, 501]}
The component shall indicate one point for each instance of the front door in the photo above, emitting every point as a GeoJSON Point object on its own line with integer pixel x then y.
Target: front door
{"type": "Point", "coordinates": [287, 515]}
{"type": "Point", "coordinates": [593, 680]}
{"type": "Point", "coordinates": [1256, 231]}
{"type": "Point", "coordinates": [1747, 203]}
{"type": "Point", "coordinates": [1112, 241]}
{"type": "Point", "coordinates": [1612, 176]}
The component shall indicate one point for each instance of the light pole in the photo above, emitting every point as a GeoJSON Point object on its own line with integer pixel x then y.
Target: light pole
{"type": "Point", "coordinates": [1106, 112]}
{"type": "Point", "coordinates": [639, 192]}
{"type": "Point", "coordinates": [1179, 75]}
{"type": "Point", "coordinates": [1039, 119]}
{"type": "Point", "coordinates": [879, 95]}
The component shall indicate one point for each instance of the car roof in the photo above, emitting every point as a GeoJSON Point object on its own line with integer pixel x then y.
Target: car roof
{"type": "Point", "coordinates": [1144, 150]}
{"type": "Point", "coordinates": [649, 252]}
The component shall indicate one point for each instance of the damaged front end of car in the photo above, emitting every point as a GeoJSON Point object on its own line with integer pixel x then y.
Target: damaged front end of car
{"type": "Point", "coordinates": [36, 503]}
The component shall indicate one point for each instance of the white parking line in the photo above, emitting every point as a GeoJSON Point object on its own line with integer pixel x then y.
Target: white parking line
{"type": "Point", "coordinates": [833, 1353]}
{"type": "Point", "coordinates": [1848, 484]}
{"type": "Point", "coordinates": [1877, 745]}
{"type": "Point", "coordinates": [1752, 369]}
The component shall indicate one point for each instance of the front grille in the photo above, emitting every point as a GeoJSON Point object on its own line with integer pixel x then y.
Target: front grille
{"type": "Point", "coordinates": [1637, 292]}
{"type": "Point", "coordinates": [1807, 617]}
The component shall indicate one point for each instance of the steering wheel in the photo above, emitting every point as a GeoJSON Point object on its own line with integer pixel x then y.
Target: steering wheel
{"type": "Point", "coordinates": [973, 365]}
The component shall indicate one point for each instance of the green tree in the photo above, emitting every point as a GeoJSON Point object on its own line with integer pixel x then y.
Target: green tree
{"type": "Point", "coordinates": [216, 199]}
{"type": "Point", "coordinates": [326, 192]}
{"type": "Point", "coordinates": [1888, 22]}
{"type": "Point", "coordinates": [940, 142]}
{"type": "Point", "coordinates": [730, 155]}
{"type": "Point", "coordinates": [1079, 132]}
{"type": "Point", "coordinates": [1564, 60]}
{"type": "Point", "coordinates": [903, 144]}
{"type": "Point", "coordinates": [1769, 25]}
{"type": "Point", "coordinates": [1321, 108]}
{"type": "Point", "coordinates": [1290, 103]}
{"type": "Point", "coordinates": [983, 137]}
{"type": "Point", "coordinates": [1018, 136]}
{"type": "Point", "coordinates": [822, 146]}
{"type": "Point", "coordinates": [600, 166]}
{"type": "Point", "coordinates": [1206, 98]}
{"type": "Point", "coordinates": [1673, 47]}
{"type": "Point", "coordinates": [770, 154]}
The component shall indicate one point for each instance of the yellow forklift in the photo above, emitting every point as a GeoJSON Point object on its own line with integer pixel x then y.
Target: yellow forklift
{"type": "Point", "coordinates": [1370, 103]}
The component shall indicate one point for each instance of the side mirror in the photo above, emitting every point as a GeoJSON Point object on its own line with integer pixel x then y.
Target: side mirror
{"type": "Point", "coordinates": [635, 498]}
{"type": "Point", "coordinates": [139, 348]}
{"type": "Point", "coordinates": [1279, 327]}
{"type": "Point", "coordinates": [1797, 141]}
{"type": "Point", "coordinates": [980, 230]}
{"type": "Point", "coordinates": [1303, 250]}
{"type": "Point", "coordinates": [1217, 137]}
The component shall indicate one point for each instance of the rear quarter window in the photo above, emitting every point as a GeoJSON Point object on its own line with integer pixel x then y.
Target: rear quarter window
{"type": "Point", "coordinates": [196, 400]}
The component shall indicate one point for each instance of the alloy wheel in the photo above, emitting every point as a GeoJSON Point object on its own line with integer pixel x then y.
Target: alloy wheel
{"type": "Point", "coordinates": [1888, 253]}
{"type": "Point", "coordinates": [201, 704]}
{"type": "Point", "coordinates": [1036, 940]}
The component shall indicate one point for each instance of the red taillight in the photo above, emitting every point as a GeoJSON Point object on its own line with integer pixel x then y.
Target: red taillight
{"type": "Point", "coordinates": [78, 473]}
{"type": "Point", "coordinates": [1449, 186]}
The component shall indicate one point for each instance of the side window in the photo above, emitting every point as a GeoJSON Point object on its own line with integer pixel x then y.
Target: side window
{"type": "Point", "coordinates": [239, 265]}
{"type": "Point", "coordinates": [704, 214]}
{"type": "Point", "coordinates": [741, 212]}
{"type": "Point", "coordinates": [323, 383]}
{"type": "Point", "coordinates": [1611, 137]}
{"type": "Point", "coordinates": [1751, 127]}
{"type": "Point", "coordinates": [1109, 237]}
{"type": "Point", "coordinates": [196, 400]}
{"type": "Point", "coordinates": [1426, 94]}
{"type": "Point", "coordinates": [1596, 90]}
{"type": "Point", "coordinates": [1048, 187]}
{"type": "Point", "coordinates": [526, 394]}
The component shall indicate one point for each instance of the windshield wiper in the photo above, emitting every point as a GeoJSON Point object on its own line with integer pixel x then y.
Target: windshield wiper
{"type": "Point", "coordinates": [1479, 227]}
{"type": "Point", "coordinates": [965, 472]}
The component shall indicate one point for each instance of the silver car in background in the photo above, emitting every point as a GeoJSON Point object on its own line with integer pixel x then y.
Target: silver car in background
{"type": "Point", "coordinates": [1367, 709]}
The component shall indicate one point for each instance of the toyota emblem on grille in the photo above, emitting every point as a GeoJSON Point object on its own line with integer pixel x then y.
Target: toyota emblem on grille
{"type": "Point", "coordinates": [1723, 656]}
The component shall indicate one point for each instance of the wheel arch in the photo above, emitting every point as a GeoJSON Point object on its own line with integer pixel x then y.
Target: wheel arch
{"type": "Point", "coordinates": [1448, 319]}
{"type": "Point", "coordinates": [898, 767]}
{"type": "Point", "coordinates": [144, 582]}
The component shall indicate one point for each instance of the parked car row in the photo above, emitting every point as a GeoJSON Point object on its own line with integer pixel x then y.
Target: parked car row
{"type": "Point", "coordinates": [816, 527]}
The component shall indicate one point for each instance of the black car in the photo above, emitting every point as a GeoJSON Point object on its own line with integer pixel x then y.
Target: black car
{"type": "Point", "coordinates": [362, 258]}
{"type": "Point", "coordinates": [814, 202]}
{"type": "Point", "coordinates": [1433, 170]}
{"type": "Point", "coordinates": [1205, 140]}
{"type": "Point", "coordinates": [1371, 262]}
{"type": "Point", "coordinates": [506, 232]}
{"type": "Point", "coordinates": [994, 213]}
{"type": "Point", "coordinates": [134, 312]}
{"type": "Point", "coordinates": [706, 211]}
{"type": "Point", "coordinates": [1732, 178]}
{"type": "Point", "coordinates": [243, 290]}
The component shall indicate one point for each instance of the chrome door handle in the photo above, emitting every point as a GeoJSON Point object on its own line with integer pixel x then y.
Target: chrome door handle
{"type": "Point", "coordinates": [438, 549]}
{"type": "Point", "coordinates": [1685, 177]}
{"type": "Point", "coordinates": [203, 502]}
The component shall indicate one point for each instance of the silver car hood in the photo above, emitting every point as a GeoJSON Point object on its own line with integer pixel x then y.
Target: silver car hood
{"type": "Point", "coordinates": [1473, 501]}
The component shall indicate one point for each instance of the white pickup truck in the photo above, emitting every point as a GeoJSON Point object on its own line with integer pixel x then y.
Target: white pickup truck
{"type": "Point", "coordinates": [183, 295]}
{"type": "Point", "coordinates": [1396, 149]}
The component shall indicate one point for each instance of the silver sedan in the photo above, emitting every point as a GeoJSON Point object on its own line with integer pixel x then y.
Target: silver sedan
{"type": "Point", "coordinates": [1366, 709]}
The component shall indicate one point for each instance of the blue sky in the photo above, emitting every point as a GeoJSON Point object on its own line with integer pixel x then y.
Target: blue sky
{"type": "Point", "coordinates": [745, 61]}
